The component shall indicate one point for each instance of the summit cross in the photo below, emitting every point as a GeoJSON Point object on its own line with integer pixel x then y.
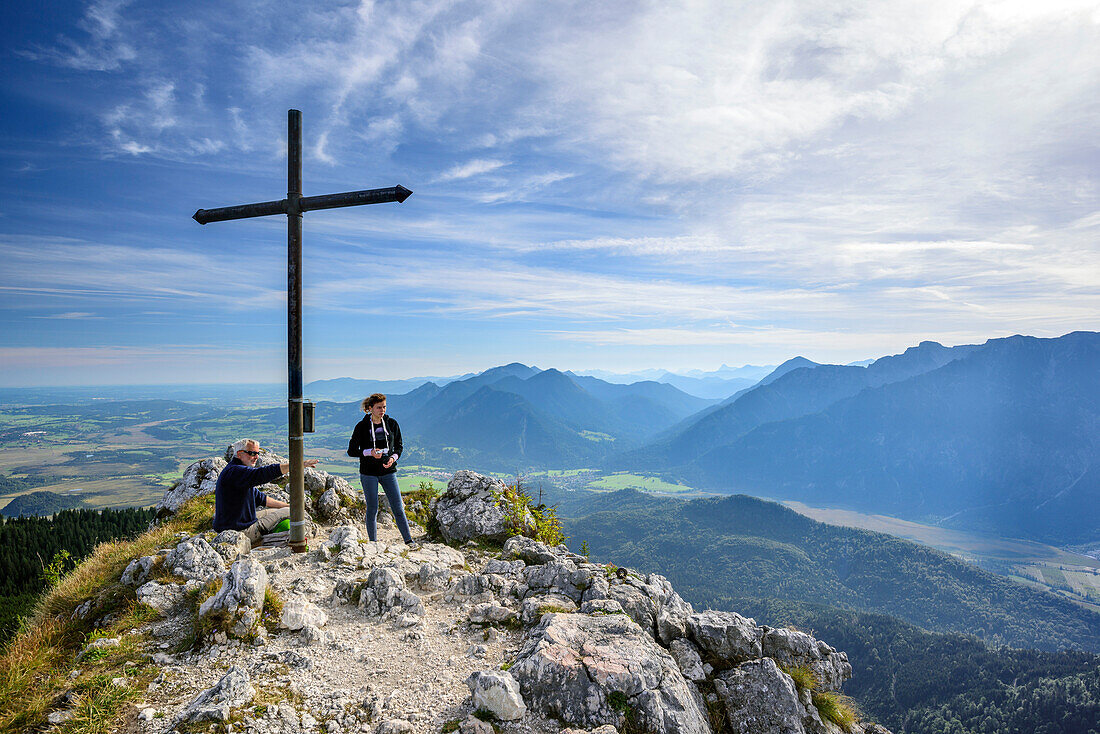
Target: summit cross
{"type": "Point", "coordinates": [294, 205]}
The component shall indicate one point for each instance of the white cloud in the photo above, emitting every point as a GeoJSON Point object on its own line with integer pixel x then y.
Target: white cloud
{"type": "Point", "coordinates": [471, 168]}
{"type": "Point", "coordinates": [94, 271]}
{"type": "Point", "coordinates": [68, 315]}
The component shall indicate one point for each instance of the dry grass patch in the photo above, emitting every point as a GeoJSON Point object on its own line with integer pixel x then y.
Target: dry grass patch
{"type": "Point", "coordinates": [35, 665]}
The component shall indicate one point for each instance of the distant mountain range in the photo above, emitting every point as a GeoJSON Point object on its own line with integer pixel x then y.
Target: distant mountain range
{"type": "Point", "coordinates": [716, 385]}
{"type": "Point", "coordinates": [516, 417]}
{"type": "Point", "coordinates": [1000, 437]}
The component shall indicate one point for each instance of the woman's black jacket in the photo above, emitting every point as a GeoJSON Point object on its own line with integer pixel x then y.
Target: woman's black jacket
{"type": "Point", "coordinates": [361, 440]}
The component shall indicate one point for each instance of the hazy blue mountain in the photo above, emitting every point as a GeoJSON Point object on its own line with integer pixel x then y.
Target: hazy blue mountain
{"type": "Point", "coordinates": [501, 427]}
{"type": "Point", "coordinates": [743, 547]}
{"type": "Point", "coordinates": [348, 389]}
{"type": "Point", "coordinates": [715, 388]}
{"type": "Point", "coordinates": [638, 398]}
{"type": "Point", "coordinates": [794, 363]}
{"type": "Point", "coordinates": [796, 388]}
{"type": "Point", "coordinates": [593, 416]}
{"type": "Point", "coordinates": [1003, 439]}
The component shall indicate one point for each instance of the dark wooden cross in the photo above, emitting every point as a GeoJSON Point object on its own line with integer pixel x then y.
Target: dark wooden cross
{"type": "Point", "coordinates": [293, 206]}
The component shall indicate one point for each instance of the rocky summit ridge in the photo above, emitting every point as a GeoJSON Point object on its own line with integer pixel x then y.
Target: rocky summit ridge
{"type": "Point", "coordinates": [479, 633]}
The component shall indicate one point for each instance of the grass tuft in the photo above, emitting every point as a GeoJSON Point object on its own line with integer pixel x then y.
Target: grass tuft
{"type": "Point", "coordinates": [804, 676]}
{"type": "Point", "coordinates": [837, 708]}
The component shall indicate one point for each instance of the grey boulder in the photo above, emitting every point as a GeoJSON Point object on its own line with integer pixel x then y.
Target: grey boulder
{"type": "Point", "coordinates": [591, 671]}
{"type": "Point", "coordinates": [194, 558]}
{"type": "Point", "coordinates": [759, 698]}
{"type": "Point", "coordinates": [793, 648]}
{"type": "Point", "coordinates": [497, 691]}
{"type": "Point", "coordinates": [198, 479]}
{"type": "Point", "coordinates": [468, 510]}
{"type": "Point", "coordinates": [241, 592]}
{"type": "Point", "coordinates": [216, 703]}
{"type": "Point", "coordinates": [726, 635]}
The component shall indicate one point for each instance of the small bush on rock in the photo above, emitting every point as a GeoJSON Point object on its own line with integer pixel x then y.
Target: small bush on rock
{"type": "Point", "coordinates": [418, 508]}
{"type": "Point", "coordinates": [516, 503]}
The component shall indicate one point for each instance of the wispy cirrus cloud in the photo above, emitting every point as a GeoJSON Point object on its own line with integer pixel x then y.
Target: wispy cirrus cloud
{"type": "Point", "coordinates": [475, 167]}
{"type": "Point", "coordinates": [687, 170]}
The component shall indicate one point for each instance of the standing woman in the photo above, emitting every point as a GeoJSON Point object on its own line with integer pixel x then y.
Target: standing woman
{"type": "Point", "coordinates": [376, 440]}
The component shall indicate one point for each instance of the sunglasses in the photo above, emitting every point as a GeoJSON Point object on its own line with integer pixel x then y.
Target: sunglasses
{"type": "Point", "coordinates": [251, 453]}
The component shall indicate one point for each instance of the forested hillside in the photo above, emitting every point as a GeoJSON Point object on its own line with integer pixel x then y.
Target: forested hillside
{"type": "Point", "coordinates": [742, 547]}
{"type": "Point", "coordinates": [29, 544]}
{"type": "Point", "coordinates": [763, 560]}
{"type": "Point", "coordinates": [919, 682]}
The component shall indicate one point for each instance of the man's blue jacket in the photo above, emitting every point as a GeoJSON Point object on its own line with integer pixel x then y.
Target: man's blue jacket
{"type": "Point", "coordinates": [236, 497]}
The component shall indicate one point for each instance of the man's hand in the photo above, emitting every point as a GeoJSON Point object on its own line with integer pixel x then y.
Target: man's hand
{"type": "Point", "coordinates": [274, 504]}
{"type": "Point", "coordinates": [389, 462]}
{"type": "Point", "coordinates": [307, 463]}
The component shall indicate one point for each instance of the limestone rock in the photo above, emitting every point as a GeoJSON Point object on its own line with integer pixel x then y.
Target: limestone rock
{"type": "Point", "coordinates": [473, 725]}
{"type": "Point", "coordinates": [433, 577]}
{"type": "Point", "coordinates": [562, 577]}
{"type": "Point", "coordinates": [161, 597]}
{"type": "Point", "coordinates": [491, 613]}
{"type": "Point", "coordinates": [726, 635]}
{"type": "Point", "coordinates": [138, 570]}
{"type": "Point", "coordinates": [588, 671]}
{"type": "Point", "coordinates": [242, 588]}
{"type": "Point", "coordinates": [231, 545]}
{"type": "Point", "coordinates": [528, 550]}
{"type": "Point", "coordinates": [653, 604]}
{"type": "Point", "coordinates": [468, 510]}
{"type": "Point", "coordinates": [194, 558]}
{"type": "Point", "coordinates": [536, 606]}
{"type": "Point", "coordinates": [497, 691]}
{"type": "Point", "coordinates": [328, 504]}
{"type": "Point", "coordinates": [299, 613]}
{"type": "Point", "coordinates": [602, 606]}
{"type": "Point", "coordinates": [385, 592]}
{"type": "Point", "coordinates": [395, 726]}
{"type": "Point", "coordinates": [198, 479]}
{"type": "Point", "coordinates": [439, 555]}
{"type": "Point", "coordinates": [687, 657]}
{"type": "Point", "coordinates": [793, 648]}
{"type": "Point", "coordinates": [216, 703]}
{"type": "Point", "coordinates": [760, 699]}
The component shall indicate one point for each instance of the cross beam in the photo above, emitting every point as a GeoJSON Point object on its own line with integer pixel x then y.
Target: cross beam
{"type": "Point", "coordinates": [293, 206]}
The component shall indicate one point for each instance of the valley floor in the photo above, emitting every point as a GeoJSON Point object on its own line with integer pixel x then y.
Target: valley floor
{"type": "Point", "coordinates": [1072, 575]}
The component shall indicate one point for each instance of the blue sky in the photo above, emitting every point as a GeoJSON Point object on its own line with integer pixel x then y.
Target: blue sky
{"type": "Point", "coordinates": [617, 186]}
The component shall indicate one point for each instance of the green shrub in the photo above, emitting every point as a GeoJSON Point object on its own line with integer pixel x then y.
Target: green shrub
{"type": "Point", "coordinates": [516, 505]}
{"type": "Point", "coordinates": [418, 508]}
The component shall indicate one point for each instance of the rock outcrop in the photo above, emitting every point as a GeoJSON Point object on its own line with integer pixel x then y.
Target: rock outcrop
{"type": "Point", "coordinates": [360, 636]}
{"type": "Point", "coordinates": [470, 508]}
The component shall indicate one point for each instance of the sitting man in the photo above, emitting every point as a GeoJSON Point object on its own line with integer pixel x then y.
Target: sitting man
{"type": "Point", "coordinates": [236, 497]}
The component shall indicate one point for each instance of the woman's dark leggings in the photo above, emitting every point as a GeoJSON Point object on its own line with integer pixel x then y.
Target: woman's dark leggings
{"type": "Point", "coordinates": [393, 494]}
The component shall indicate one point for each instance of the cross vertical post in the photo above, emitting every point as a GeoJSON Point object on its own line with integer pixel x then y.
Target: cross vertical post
{"type": "Point", "coordinates": [294, 205]}
{"type": "Point", "coordinates": [296, 439]}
